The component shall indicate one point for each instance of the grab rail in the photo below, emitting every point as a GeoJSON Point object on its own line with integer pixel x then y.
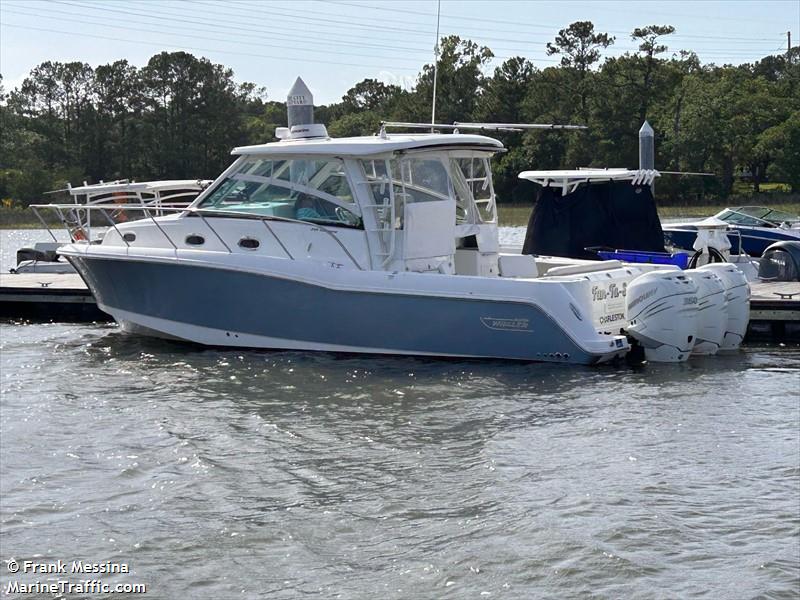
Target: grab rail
{"type": "Point", "coordinates": [202, 213]}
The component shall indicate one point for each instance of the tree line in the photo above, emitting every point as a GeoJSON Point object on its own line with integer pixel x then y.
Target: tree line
{"type": "Point", "coordinates": [179, 116]}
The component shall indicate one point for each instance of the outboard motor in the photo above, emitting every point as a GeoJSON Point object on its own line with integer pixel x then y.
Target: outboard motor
{"type": "Point", "coordinates": [662, 315]}
{"type": "Point", "coordinates": [737, 294]}
{"type": "Point", "coordinates": [712, 311]}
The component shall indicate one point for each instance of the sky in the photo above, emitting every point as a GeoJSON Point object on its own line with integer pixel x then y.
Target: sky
{"type": "Point", "coordinates": [334, 44]}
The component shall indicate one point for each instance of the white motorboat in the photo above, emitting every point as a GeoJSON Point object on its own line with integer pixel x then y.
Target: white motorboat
{"type": "Point", "coordinates": [112, 197]}
{"type": "Point", "coordinates": [384, 244]}
{"type": "Point", "coordinates": [750, 229]}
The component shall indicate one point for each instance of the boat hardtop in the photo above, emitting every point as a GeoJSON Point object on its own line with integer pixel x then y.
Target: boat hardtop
{"type": "Point", "coordinates": [123, 185]}
{"type": "Point", "coordinates": [570, 179]}
{"type": "Point", "coordinates": [371, 145]}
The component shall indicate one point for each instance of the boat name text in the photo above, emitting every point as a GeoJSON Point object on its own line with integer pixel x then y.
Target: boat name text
{"type": "Point", "coordinates": [613, 291]}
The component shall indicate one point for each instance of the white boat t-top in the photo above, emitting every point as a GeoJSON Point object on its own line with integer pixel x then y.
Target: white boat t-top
{"type": "Point", "coordinates": [116, 195]}
{"type": "Point", "coordinates": [570, 180]}
{"type": "Point", "coordinates": [384, 244]}
{"type": "Point", "coordinates": [122, 193]}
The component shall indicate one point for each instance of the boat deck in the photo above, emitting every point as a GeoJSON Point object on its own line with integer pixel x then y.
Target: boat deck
{"type": "Point", "coordinates": [774, 306]}
{"type": "Point", "coordinates": [775, 310]}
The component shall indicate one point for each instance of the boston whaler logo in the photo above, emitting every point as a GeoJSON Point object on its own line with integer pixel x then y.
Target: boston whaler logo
{"type": "Point", "coordinates": [502, 324]}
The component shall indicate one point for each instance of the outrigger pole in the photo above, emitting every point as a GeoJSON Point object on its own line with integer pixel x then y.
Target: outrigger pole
{"type": "Point", "coordinates": [486, 126]}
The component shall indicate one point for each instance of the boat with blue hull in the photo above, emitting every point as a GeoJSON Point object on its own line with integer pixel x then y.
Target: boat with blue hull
{"type": "Point", "coordinates": [384, 244]}
{"type": "Point", "coordinates": [272, 310]}
{"type": "Point", "coordinates": [751, 229]}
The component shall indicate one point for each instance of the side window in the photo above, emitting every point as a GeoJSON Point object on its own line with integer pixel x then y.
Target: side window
{"type": "Point", "coordinates": [477, 173]}
{"type": "Point", "coordinates": [424, 180]}
{"type": "Point", "coordinates": [408, 180]}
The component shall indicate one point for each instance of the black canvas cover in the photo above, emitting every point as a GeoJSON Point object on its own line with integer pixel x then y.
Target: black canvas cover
{"type": "Point", "coordinates": [614, 214]}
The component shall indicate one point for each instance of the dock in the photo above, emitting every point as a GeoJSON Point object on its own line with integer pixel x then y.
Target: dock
{"type": "Point", "coordinates": [774, 306]}
{"type": "Point", "coordinates": [774, 311]}
{"type": "Point", "coordinates": [47, 297]}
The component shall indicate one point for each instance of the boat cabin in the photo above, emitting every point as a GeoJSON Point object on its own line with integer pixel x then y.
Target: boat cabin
{"type": "Point", "coordinates": [416, 199]}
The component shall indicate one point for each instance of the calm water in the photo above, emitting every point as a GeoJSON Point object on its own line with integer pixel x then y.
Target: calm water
{"type": "Point", "coordinates": [242, 474]}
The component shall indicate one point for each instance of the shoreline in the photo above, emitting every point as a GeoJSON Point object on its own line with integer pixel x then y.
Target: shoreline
{"type": "Point", "coordinates": [509, 215]}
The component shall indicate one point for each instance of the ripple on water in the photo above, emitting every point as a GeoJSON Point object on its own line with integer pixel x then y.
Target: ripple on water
{"type": "Point", "coordinates": [283, 473]}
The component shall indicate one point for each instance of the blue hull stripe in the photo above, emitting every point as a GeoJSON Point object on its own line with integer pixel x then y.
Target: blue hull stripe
{"type": "Point", "coordinates": [249, 303]}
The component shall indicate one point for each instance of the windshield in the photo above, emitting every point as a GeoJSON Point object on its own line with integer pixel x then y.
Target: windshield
{"type": "Point", "coordinates": [306, 189]}
{"type": "Point", "coordinates": [757, 216]}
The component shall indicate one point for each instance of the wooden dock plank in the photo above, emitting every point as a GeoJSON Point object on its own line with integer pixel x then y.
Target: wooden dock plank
{"type": "Point", "coordinates": [771, 290]}
{"type": "Point", "coordinates": [43, 281]}
{"type": "Point", "coordinates": [775, 301]}
{"type": "Point", "coordinates": [47, 297]}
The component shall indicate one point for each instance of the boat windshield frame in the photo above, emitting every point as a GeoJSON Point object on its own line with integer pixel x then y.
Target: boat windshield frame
{"type": "Point", "coordinates": [763, 220]}
{"type": "Point", "coordinates": [471, 210]}
{"type": "Point", "coordinates": [299, 190]}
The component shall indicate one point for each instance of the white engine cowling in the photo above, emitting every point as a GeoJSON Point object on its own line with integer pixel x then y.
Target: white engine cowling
{"type": "Point", "coordinates": [737, 294]}
{"type": "Point", "coordinates": [712, 311]}
{"type": "Point", "coordinates": [662, 315]}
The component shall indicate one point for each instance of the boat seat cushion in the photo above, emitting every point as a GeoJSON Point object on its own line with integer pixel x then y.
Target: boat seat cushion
{"type": "Point", "coordinates": [518, 265]}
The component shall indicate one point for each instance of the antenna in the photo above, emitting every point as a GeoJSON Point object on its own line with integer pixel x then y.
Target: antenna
{"type": "Point", "coordinates": [435, 63]}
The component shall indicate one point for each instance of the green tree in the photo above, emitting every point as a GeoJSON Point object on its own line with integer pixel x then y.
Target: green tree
{"type": "Point", "coordinates": [370, 94]}
{"type": "Point", "coordinates": [649, 48]}
{"type": "Point", "coordinates": [460, 81]}
{"type": "Point", "coordinates": [579, 47]}
{"type": "Point", "coordinates": [782, 143]}
{"type": "Point", "coordinates": [504, 93]}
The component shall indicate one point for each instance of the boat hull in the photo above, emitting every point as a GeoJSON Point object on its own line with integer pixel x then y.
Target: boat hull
{"type": "Point", "coordinates": [224, 307]}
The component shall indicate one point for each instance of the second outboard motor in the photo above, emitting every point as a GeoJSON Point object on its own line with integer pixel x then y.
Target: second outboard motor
{"type": "Point", "coordinates": [662, 315]}
{"type": "Point", "coordinates": [712, 311]}
{"type": "Point", "coordinates": [737, 294]}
